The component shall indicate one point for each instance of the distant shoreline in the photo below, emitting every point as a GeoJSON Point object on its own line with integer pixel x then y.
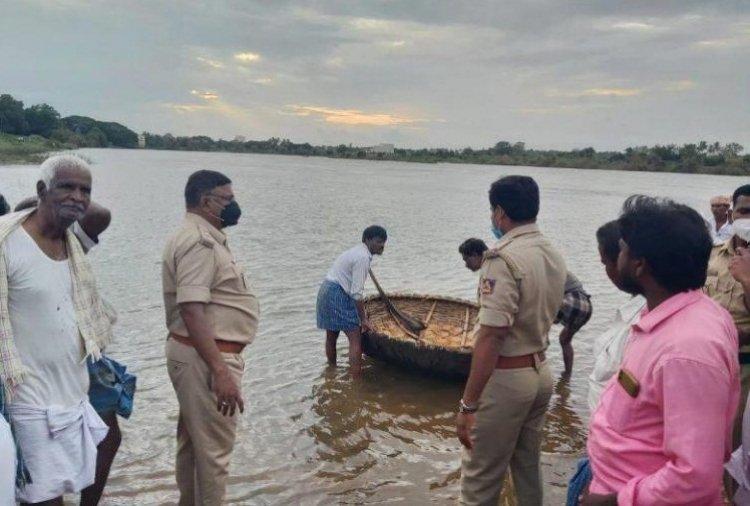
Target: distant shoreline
{"type": "Point", "coordinates": [35, 151]}
{"type": "Point", "coordinates": [27, 135]}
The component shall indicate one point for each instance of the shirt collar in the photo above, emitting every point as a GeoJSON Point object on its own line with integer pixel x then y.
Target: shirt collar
{"type": "Point", "coordinates": [530, 228]}
{"type": "Point", "coordinates": [203, 224]}
{"type": "Point", "coordinates": [676, 303]}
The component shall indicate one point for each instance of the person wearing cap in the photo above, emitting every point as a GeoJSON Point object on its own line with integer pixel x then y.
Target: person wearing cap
{"type": "Point", "coordinates": [212, 314]}
{"type": "Point", "coordinates": [728, 283]}
{"type": "Point", "coordinates": [501, 413]}
{"type": "Point", "coordinates": [720, 221]}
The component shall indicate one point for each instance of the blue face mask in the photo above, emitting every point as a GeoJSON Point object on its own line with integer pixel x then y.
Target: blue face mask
{"type": "Point", "coordinates": [496, 231]}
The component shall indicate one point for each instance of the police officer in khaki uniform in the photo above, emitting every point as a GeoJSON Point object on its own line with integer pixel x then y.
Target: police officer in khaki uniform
{"type": "Point", "coordinates": [501, 414]}
{"type": "Point", "coordinates": [212, 314]}
{"type": "Point", "coordinates": [728, 283]}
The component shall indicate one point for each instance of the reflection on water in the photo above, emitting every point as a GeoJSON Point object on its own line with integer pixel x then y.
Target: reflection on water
{"type": "Point", "coordinates": [564, 431]}
{"type": "Point", "coordinates": [309, 435]}
{"type": "Point", "coordinates": [387, 419]}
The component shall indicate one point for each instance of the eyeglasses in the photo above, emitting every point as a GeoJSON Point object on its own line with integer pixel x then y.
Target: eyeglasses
{"type": "Point", "coordinates": [222, 197]}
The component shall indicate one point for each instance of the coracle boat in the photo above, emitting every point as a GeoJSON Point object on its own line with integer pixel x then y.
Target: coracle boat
{"type": "Point", "coordinates": [442, 348]}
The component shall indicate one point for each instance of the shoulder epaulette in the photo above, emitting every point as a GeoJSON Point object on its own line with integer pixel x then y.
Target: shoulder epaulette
{"type": "Point", "coordinates": [515, 270]}
{"type": "Point", "coordinates": [206, 239]}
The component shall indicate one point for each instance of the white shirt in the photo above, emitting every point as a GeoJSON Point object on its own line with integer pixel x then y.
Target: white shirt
{"type": "Point", "coordinates": [724, 233]}
{"type": "Point", "coordinates": [349, 270]}
{"type": "Point", "coordinates": [45, 328]}
{"type": "Point", "coordinates": [610, 347]}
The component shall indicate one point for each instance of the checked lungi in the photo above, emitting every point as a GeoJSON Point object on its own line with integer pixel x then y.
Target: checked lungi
{"type": "Point", "coordinates": [575, 311]}
{"type": "Point", "coordinates": [336, 310]}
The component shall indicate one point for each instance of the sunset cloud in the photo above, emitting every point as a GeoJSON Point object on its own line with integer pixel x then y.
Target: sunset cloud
{"type": "Point", "coordinates": [352, 116]}
{"type": "Point", "coordinates": [247, 57]}
{"type": "Point", "coordinates": [611, 92]}
{"type": "Point", "coordinates": [633, 26]}
{"type": "Point", "coordinates": [211, 63]}
{"type": "Point", "coordinates": [684, 85]}
{"type": "Point", "coordinates": [598, 91]}
{"type": "Point", "coordinates": [207, 95]}
{"type": "Point", "coordinates": [187, 108]}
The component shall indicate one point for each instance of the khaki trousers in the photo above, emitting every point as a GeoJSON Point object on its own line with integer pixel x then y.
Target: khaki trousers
{"type": "Point", "coordinates": [508, 431]}
{"type": "Point", "coordinates": [205, 438]}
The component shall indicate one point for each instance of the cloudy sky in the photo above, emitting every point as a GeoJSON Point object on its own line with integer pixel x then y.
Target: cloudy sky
{"type": "Point", "coordinates": [417, 73]}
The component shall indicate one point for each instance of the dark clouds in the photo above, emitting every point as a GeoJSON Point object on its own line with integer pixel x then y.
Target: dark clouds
{"type": "Point", "coordinates": [419, 73]}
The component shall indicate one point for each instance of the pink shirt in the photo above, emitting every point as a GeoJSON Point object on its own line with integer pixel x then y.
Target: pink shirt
{"type": "Point", "coordinates": [668, 444]}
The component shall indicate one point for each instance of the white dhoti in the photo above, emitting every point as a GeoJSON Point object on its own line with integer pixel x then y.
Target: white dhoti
{"type": "Point", "coordinates": [59, 448]}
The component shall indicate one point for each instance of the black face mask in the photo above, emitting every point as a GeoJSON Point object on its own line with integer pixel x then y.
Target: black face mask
{"type": "Point", "coordinates": [230, 215]}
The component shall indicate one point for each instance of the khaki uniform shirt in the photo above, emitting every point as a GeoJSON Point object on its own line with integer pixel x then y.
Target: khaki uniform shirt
{"type": "Point", "coordinates": [521, 287]}
{"type": "Point", "coordinates": [197, 266]}
{"type": "Point", "coordinates": [724, 289]}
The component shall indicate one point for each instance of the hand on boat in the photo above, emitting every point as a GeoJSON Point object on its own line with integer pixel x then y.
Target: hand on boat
{"type": "Point", "coordinates": [228, 398]}
{"type": "Point", "coordinates": [464, 426]}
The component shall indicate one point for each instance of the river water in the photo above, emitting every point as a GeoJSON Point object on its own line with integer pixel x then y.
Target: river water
{"type": "Point", "coordinates": [309, 434]}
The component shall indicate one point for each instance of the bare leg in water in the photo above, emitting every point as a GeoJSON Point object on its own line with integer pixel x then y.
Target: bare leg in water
{"type": "Point", "coordinates": [355, 349]}
{"type": "Point", "coordinates": [355, 352]}
{"type": "Point", "coordinates": [105, 455]}
{"type": "Point", "coordinates": [566, 338]}
{"type": "Point", "coordinates": [331, 337]}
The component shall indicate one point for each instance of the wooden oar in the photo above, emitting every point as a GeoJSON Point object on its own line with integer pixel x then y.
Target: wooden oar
{"type": "Point", "coordinates": [411, 323]}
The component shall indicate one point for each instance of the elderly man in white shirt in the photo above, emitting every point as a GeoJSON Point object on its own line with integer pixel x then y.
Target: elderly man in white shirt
{"type": "Point", "coordinates": [720, 221]}
{"type": "Point", "coordinates": [53, 317]}
{"type": "Point", "coordinates": [339, 304]}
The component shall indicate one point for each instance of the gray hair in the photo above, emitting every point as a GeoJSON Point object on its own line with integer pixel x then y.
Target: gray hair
{"type": "Point", "coordinates": [50, 167]}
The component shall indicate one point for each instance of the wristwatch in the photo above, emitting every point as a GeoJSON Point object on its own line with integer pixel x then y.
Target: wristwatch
{"type": "Point", "coordinates": [467, 410]}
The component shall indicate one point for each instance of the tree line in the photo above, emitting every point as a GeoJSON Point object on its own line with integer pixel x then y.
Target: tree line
{"type": "Point", "coordinates": [75, 131]}
{"type": "Point", "coordinates": [701, 157]}
{"type": "Point", "coordinates": [81, 131]}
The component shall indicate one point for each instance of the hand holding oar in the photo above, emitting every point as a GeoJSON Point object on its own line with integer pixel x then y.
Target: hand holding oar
{"type": "Point", "coordinates": [411, 323]}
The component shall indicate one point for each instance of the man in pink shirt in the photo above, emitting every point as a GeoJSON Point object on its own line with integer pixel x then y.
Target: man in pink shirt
{"type": "Point", "coordinates": [662, 430]}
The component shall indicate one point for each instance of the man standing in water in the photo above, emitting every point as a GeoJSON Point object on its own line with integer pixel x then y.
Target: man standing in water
{"type": "Point", "coordinates": [662, 429]}
{"type": "Point", "coordinates": [52, 319]}
{"type": "Point", "coordinates": [339, 305]}
{"type": "Point", "coordinates": [574, 313]}
{"type": "Point", "coordinates": [102, 379]}
{"type": "Point", "coordinates": [501, 414]}
{"type": "Point", "coordinates": [212, 314]}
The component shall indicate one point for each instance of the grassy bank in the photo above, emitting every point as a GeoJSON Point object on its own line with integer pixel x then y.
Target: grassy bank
{"type": "Point", "coordinates": [34, 149]}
